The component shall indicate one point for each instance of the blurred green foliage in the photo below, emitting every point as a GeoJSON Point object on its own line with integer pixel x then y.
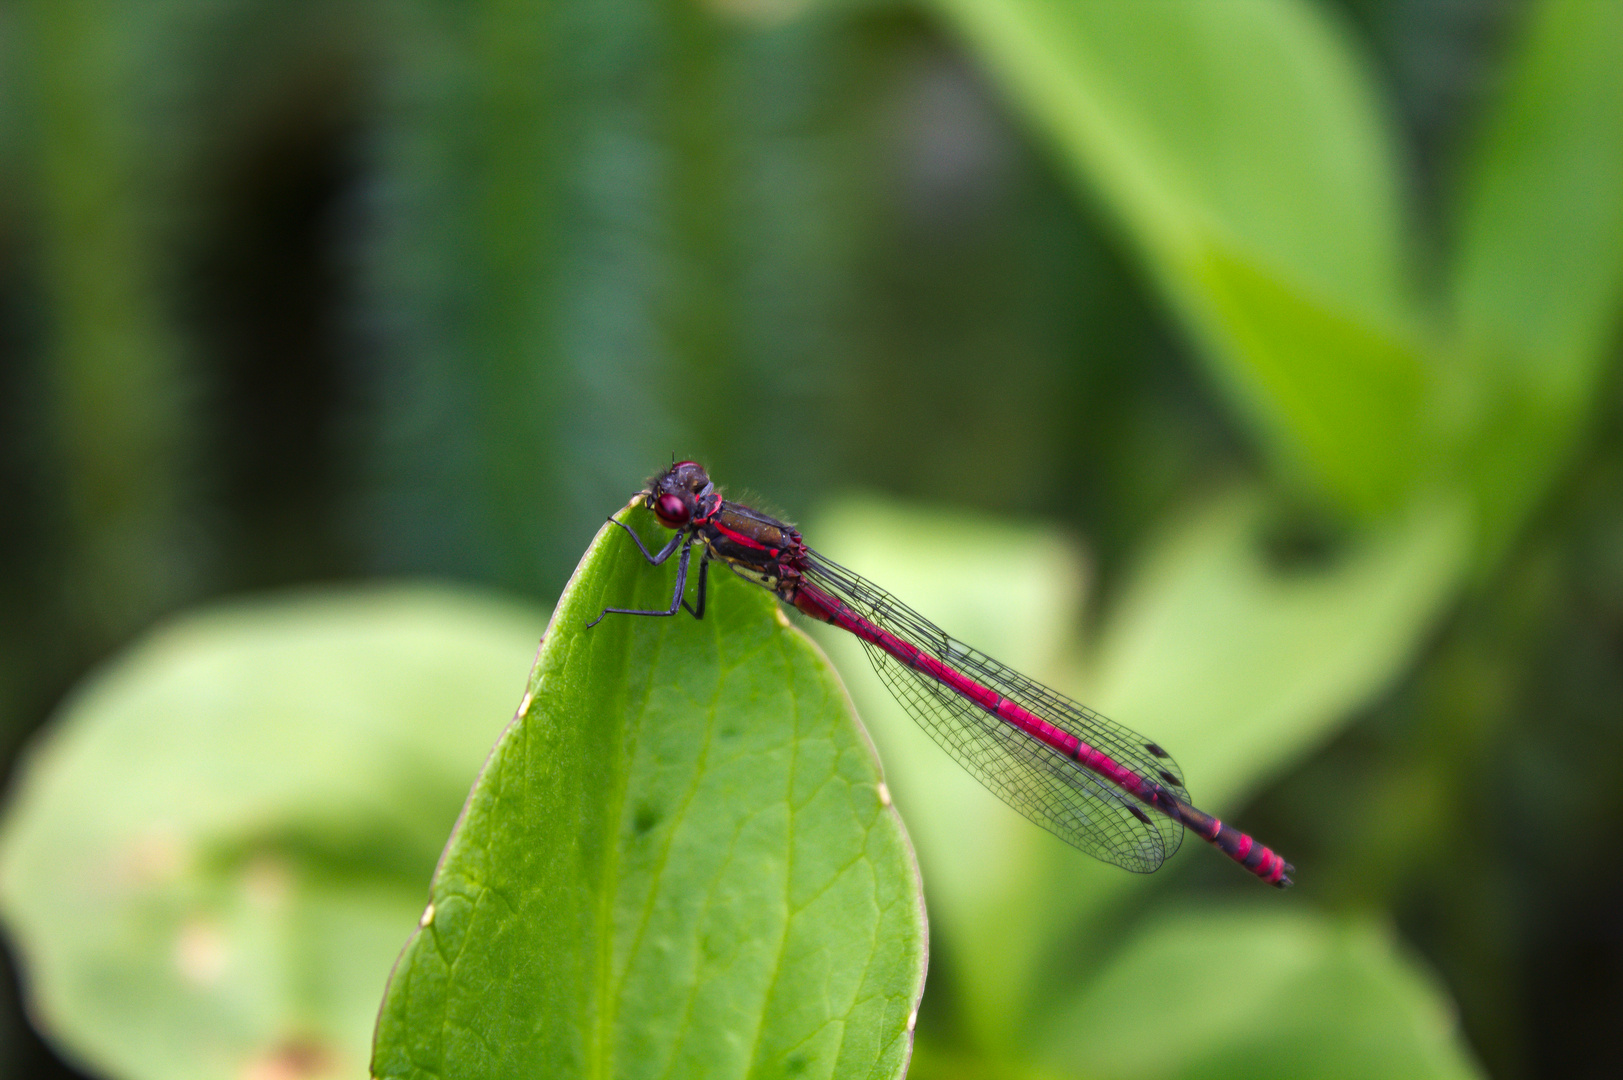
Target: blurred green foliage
{"type": "Point", "coordinates": [1180, 654]}
{"type": "Point", "coordinates": [1300, 314]}
{"type": "Point", "coordinates": [222, 845]}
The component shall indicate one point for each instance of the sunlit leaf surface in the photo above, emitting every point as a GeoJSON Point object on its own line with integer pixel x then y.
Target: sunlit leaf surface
{"type": "Point", "coordinates": [677, 862]}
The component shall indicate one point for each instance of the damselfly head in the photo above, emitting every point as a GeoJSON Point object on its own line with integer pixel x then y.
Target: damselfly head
{"type": "Point", "coordinates": [675, 494]}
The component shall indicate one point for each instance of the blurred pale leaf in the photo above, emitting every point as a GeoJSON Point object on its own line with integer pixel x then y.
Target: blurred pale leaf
{"type": "Point", "coordinates": [213, 855]}
{"type": "Point", "coordinates": [676, 862]}
{"type": "Point", "coordinates": [1013, 591]}
{"type": "Point", "coordinates": [1253, 993]}
{"type": "Point", "coordinates": [1538, 274]}
{"type": "Point", "coordinates": [1240, 665]}
{"type": "Point", "coordinates": [1236, 666]}
{"type": "Point", "coordinates": [934, 1061]}
{"type": "Point", "coordinates": [1241, 147]}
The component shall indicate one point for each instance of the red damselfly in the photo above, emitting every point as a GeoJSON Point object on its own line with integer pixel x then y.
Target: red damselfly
{"type": "Point", "coordinates": [1088, 780]}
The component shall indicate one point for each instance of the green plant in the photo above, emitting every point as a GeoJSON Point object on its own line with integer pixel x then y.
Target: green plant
{"type": "Point", "coordinates": [679, 860]}
{"type": "Point", "coordinates": [1241, 150]}
{"type": "Point", "coordinates": [212, 857]}
{"type": "Point", "coordinates": [591, 253]}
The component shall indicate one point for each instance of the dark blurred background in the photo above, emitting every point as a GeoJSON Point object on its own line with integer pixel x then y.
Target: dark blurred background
{"type": "Point", "coordinates": [273, 311]}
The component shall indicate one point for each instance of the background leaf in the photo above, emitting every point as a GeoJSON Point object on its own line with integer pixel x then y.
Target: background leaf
{"type": "Point", "coordinates": [1011, 590]}
{"type": "Point", "coordinates": [211, 860]}
{"type": "Point", "coordinates": [1250, 993]}
{"type": "Point", "coordinates": [677, 861]}
{"type": "Point", "coordinates": [1231, 662]}
{"type": "Point", "coordinates": [1244, 659]}
{"type": "Point", "coordinates": [1537, 275]}
{"type": "Point", "coordinates": [1217, 134]}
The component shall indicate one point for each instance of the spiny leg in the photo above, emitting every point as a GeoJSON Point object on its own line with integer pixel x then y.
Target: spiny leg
{"type": "Point", "coordinates": [704, 574]}
{"type": "Point", "coordinates": [681, 580]}
{"type": "Point", "coordinates": [664, 552]}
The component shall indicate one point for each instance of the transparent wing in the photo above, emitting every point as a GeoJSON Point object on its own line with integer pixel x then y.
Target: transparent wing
{"type": "Point", "coordinates": [1052, 789]}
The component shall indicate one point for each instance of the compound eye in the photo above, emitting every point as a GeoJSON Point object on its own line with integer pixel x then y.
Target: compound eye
{"type": "Point", "coordinates": [672, 510]}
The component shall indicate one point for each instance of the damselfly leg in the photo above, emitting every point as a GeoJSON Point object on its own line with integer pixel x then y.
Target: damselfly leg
{"type": "Point", "coordinates": [656, 559]}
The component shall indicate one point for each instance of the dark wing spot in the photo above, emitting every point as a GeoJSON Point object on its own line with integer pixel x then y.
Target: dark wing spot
{"type": "Point", "coordinates": [1169, 778]}
{"type": "Point", "coordinates": [1139, 814]}
{"type": "Point", "coordinates": [1156, 750]}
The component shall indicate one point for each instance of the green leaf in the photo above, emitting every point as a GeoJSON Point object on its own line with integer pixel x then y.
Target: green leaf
{"type": "Point", "coordinates": [1235, 665]}
{"type": "Point", "coordinates": [1254, 993]}
{"type": "Point", "coordinates": [1241, 665]}
{"type": "Point", "coordinates": [213, 853]}
{"type": "Point", "coordinates": [1012, 590]}
{"type": "Point", "coordinates": [1241, 148]}
{"type": "Point", "coordinates": [678, 861]}
{"type": "Point", "coordinates": [1538, 276]}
